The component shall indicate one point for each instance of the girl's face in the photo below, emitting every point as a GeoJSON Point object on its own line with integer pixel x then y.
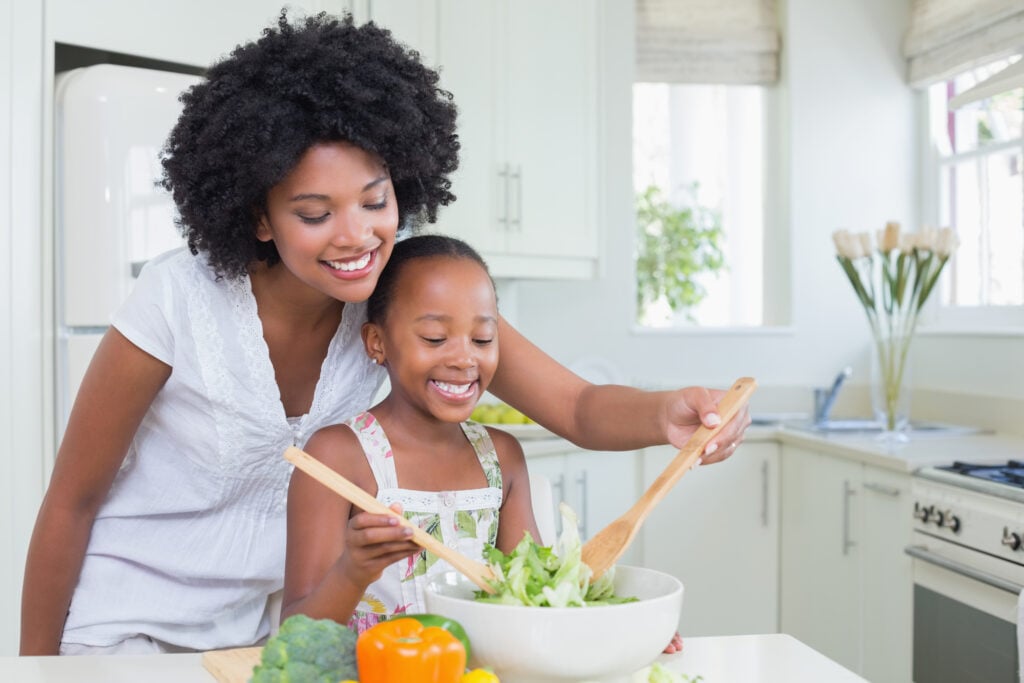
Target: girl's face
{"type": "Point", "coordinates": [333, 220]}
{"type": "Point", "coordinates": [439, 340]}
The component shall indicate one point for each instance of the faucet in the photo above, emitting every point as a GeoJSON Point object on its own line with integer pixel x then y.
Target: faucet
{"type": "Point", "coordinates": [825, 398]}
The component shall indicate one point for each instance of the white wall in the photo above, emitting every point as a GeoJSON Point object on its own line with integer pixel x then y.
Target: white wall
{"type": "Point", "coordinates": [848, 137]}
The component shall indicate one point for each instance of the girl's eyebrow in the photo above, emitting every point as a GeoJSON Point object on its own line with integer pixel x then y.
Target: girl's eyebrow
{"type": "Point", "coordinates": [323, 197]}
{"type": "Point", "coordinates": [444, 318]}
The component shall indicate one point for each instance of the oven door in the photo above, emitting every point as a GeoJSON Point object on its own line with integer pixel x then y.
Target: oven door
{"type": "Point", "coordinates": [965, 614]}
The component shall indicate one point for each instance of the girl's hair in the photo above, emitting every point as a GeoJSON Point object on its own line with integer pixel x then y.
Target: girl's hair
{"type": "Point", "coordinates": [420, 246]}
{"type": "Point", "coordinates": [324, 79]}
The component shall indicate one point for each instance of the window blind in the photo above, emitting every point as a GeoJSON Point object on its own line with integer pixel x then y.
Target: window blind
{"type": "Point", "coordinates": [946, 37]}
{"type": "Point", "coordinates": [707, 41]}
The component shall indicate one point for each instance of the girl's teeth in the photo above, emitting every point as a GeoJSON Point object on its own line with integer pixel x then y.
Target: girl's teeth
{"type": "Point", "coordinates": [454, 388]}
{"type": "Point", "coordinates": [347, 266]}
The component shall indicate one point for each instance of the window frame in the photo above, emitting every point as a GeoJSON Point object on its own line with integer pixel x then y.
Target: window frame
{"type": "Point", "coordinates": [938, 318]}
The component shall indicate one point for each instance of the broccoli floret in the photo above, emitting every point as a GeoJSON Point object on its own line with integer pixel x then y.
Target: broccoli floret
{"type": "Point", "coordinates": [308, 651]}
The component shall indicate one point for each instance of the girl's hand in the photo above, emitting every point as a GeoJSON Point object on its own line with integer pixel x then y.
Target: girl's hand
{"type": "Point", "coordinates": [675, 645]}
{"type": "Point", "coordinates": [372, 542]}
{"type": "Point", "coordinates": [693, 406]}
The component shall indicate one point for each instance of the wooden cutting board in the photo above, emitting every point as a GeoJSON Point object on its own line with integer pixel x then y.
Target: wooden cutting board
{"type": "Point", "coordinates": [232, 666]}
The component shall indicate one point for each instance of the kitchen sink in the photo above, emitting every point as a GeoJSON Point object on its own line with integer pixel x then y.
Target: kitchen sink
{"type": "Point", "coordinates": [869, 426]}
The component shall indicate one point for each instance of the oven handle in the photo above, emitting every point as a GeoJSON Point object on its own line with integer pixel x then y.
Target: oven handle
{"type": "Point", "coordinates": [920, 553]}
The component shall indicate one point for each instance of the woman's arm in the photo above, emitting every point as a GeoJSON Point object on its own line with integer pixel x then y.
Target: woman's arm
{"type": "Point", "coordinates": [516, 514]}
{"type": "Point", "coordinates": [606, 417]}
{"type": "Point", "coordinates": [115, 394]}
{"type": "Point", "coordinates": [331, 559]}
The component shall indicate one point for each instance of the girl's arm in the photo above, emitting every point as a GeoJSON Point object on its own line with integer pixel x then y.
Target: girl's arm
{"type": "Point", "coordinates": [331, 559]}
{"type": "Point", "coordinates": [516, 514]}
{"type": "Point", "coordinates": [115, 394]}
{"type": "Point", "coordinates": [607, 416]}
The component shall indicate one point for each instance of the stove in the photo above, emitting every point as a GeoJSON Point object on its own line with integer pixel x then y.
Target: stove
{"type": "Point", "coordinates": [967, 552]}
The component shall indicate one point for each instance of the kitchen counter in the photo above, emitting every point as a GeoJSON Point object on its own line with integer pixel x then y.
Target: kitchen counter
{"type": "Point", "coordinates": [775, 658]}
{"type": "Point", "coordinates": [922, 450]}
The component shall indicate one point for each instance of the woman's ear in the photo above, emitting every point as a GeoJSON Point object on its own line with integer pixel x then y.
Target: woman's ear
{"type": "Point", "coordinates": [373, 342]}
{"type": "Point", "coordinates": [263, 231]}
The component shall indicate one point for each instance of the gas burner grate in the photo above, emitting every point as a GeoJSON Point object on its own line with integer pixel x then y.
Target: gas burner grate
{"type": "Point", "coordinates": [1010, 473]}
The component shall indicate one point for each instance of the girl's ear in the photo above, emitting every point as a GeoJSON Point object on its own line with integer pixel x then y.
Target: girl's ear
{"type": "Point", "coordinates": [373, 342]}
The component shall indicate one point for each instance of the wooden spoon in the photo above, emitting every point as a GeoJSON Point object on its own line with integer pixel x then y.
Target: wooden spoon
{"type": "Point", "coordinates": [477, 572]}
{"type": "Point", "coordinates": [604, 548]}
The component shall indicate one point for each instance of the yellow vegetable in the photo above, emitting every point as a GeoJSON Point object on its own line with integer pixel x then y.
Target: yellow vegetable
{"type": "Point", "coordinates": [479, 676]}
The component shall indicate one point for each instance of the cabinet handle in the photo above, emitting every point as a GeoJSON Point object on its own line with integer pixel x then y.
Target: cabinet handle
{"type": "Point", "coordinates": [764, 494]}
{"type": "Point", "coordinates": [558, 496]}
{"type": "Point", "coordinates": [884, 489]}
{"type": "Point", "coordinates": [581, 487]}
{"type": "Point", "coordinates": [516, 179]}
{"type": "Point", "coordinates": [847, 492]}
{"type": "Point", "coordinates": [503, 177]}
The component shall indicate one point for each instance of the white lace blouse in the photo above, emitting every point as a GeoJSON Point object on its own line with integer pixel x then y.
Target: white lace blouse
{"type": "Point", "coordinates": [191, 539]}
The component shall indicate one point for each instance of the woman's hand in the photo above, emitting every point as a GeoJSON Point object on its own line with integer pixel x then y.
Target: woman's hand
{"type": "Point", "coordinates": [688, 408]}
{"type": "Point", "coordinates": [372, 542]}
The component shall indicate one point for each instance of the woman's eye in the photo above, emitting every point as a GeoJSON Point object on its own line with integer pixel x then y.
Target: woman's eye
{"type": "Point", "coordinates": [313, 219]}
{"type": "Point", "coordinates": [382, 204]}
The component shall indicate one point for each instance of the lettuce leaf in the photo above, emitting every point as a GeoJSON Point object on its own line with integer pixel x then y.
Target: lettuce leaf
{"type": "Point", "coordinates": [540, 576]}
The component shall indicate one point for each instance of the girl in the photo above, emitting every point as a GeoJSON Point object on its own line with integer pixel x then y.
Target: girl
{"type": "Point", "coordinates": [432, 322]}
{"type": "Point", "coordinates": [292, 166]}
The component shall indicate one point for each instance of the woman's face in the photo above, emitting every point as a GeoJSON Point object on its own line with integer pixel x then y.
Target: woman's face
{"type": "Point", "coordinates": [439, 339]}
{"type": "Point", "coordinates": [333, 220]}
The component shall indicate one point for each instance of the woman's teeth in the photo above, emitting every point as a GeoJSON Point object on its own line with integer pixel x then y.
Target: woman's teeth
{"type": "Point", "coordinates": [457, 389]}
{"type": "Point", "coordinates": [347, 266]}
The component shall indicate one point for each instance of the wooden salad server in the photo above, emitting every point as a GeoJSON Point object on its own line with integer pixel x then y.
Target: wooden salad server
{"type": "Point", "coordinates": [604, 548]}
{"type": "Point", "coordinates": [477, 572]}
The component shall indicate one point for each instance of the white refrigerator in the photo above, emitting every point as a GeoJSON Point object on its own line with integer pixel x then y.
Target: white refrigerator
{"type": "Point", "coordinates": [111, 215]}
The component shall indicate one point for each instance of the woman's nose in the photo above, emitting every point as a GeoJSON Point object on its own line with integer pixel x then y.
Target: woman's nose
{"type": "Point", "coordinates": [351, 229]}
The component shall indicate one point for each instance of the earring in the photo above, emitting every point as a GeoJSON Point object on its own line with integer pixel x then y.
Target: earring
{"type": "Point", "coordinates": [375, 361]}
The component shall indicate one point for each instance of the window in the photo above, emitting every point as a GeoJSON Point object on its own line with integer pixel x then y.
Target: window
{"type": "Point", "coordinates": [975, 184]}
{"type": "Point", "coordinates": [703, 147]}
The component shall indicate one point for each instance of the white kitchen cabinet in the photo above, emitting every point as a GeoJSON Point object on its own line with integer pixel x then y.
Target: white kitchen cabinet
{"type": "Point", "coordinates": [523, 74]}
{"type": "Point", "coordinates": [718, 532]}
{"type": "Point", "coordinates": [846, 584]}
{"type": "Point", "coordinates": [598, 485]}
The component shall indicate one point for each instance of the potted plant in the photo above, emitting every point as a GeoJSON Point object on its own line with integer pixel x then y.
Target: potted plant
{"type": "Point", "coordinates": [675, 247]}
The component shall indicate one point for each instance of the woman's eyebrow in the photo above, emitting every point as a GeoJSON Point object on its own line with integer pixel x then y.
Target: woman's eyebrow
{"type": "Point", "coordinates": [323, 197]}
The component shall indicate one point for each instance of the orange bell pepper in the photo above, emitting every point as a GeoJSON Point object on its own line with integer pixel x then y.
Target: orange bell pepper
{"type": "Point", "coordinates": [404, 650]}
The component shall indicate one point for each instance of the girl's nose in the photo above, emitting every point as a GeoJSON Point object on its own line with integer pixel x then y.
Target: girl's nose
{"type": "Point", "coordinates": [463, 356]}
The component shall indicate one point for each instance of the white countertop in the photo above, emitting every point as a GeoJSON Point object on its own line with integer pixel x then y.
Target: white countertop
{"type": "Point", "coordinates": [922, 450]}
{"type": "Point", "coordinates": [775, 658]}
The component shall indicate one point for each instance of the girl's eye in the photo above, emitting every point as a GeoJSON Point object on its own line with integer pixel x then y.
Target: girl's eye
{"type": "Point", "coordinates": [313, 219]}
{"type": "Point", "coordinates": [482, 342]}
{"type": "Point", "coordinates": [433, 340]}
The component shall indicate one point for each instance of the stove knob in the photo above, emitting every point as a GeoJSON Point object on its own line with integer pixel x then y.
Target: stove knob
{"type": "Point", "coordinates": [1011, 539]}
{"type": "Point", "coordinates": [921, 513]}
{"type": "Point", "coordinates": [954, 522]}
{"type": "Point", "coordinates": [940, 519]}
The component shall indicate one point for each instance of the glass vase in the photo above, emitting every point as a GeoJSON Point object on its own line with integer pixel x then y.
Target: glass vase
{"type": "Point", "coordinates": [890, 385]}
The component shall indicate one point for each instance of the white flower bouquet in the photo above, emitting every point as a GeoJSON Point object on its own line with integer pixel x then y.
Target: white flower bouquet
{"type": "Point", "coordinates": [893, 279]}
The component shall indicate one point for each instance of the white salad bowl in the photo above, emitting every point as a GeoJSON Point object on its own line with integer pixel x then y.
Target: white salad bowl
{"type": "Point", "coordinates": [553, 644]}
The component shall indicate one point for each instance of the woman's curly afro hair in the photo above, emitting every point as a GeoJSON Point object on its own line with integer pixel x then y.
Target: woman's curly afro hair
{"type": "Point", "coordinates": [323, 79]}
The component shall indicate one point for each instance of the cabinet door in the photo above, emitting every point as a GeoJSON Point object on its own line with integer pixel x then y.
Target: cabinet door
{"type": "Point", "coordinates": [468, 33]}
{"type": "Point", "coordinates": [887, 582]}
{"type": "Point", "coordinates": [599, 486]}
{"type": "Point", "coordinates": [717, 530]}
{"type": "Point", "coordinates": [821, 598]}
{"type": "Point", "coordinates": [411, 23]}
{"type": "Point", "coordinates": [551, 67]}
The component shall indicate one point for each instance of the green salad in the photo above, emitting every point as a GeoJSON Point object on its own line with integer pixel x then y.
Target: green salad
{"type": "Point", "coordinates": [541, 576]}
